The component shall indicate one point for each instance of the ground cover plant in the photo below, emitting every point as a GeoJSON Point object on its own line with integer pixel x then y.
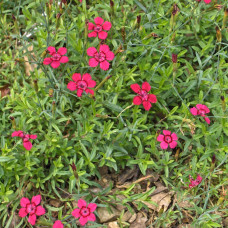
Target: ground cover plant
{"type": "Point", "coordinates": [113, 113]}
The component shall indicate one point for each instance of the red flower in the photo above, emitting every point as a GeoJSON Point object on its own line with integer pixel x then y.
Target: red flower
{"type": "Point", "coordinates": [25, 138]}
{"type": "Point", "coordinates": [100, 57]}
{"type": "Point", "coordinates": [143, 97]}
{"type": "Point", "coordinates": [99, 27]}
{"type": "Point", "coordinates": [167, 139]}
{"type": "Point", "coordinates": [201, 110]}
{"type": "Point", "coordinates": [81, 83]}
{"type": "Point", "coordinates": [31, 208]}
{"type": "Point", "coordinates": [84, 213]}
{"type": "Point", "coordinates": [58, 224]}
{"type": "Point", "coordinates": [57, 57]}
{"type": "Point", "coordinates": [195, 182]}
{"type": "Point", "coordinates": [206, 1]}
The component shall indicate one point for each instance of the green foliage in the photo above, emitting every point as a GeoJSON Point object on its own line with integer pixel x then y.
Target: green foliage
{"type": "Point", "coordinates": [104, 131]}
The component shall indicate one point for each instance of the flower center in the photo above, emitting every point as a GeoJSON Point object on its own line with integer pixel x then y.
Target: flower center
{"type": "Point", "coordinates": [168, 138]}
{"type": "Point", "coordinates": [201, 112]}
{"type": "Point", "coordinates": [82, 85]}
{"type": "Point", "coordinates": [144, 95]}
{"type": "Point", "coordinates": [85, 212]}
{"type": "Point", "coordinates": [56, 57]}
{"type": "Point", "coordinates": [100, 57]}
{"type": "Point", "coordinates": [98, 28]}
{"type": "Point", "coordinates": [31, 208]}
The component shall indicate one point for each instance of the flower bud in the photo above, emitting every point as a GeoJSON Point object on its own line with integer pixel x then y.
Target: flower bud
{"type": "Point", "coordinates": [35, 85]}
{"type": "Point", "coordinates": [174, 58]}
{"type": "Point", "coordinates": [13, 122]}
{"type": "Point", "coordinates": [218, 34]}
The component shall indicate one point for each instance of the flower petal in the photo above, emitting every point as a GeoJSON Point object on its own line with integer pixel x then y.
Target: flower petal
{"type": "Point", "coordinates": [92, 34]}
{"type": "Point", "coordinates": [32, 136]}
{"type": "Point", "coordinates": [166, 132]}
{"type": "Point", "coordinates": [71, 86]}
{"type": "Point", "coordinates": [107, 25]}
{"type": "Point", "coordinates": [36, 199]}
{"type": "Point", "coordinates": [89, 91]}
{"type": "Point", "coordinates": [32, 219]}
{"type": "Point", "coordinates": [160, 138]}
{"type": "Point", "coordinates": [146, 86]}
{"type": "Point", "coordinates": [194, 111]}
{"type": "Point", "coordinates": [152, 98]}
{"type": "Point", "coordinates": [207, 120]}
{"type": "Point", "coordinates": [27, 145]}
{"type": "Point", "coordinates": [24, 201]}
{"type": "Point", "coordinates": [81, 203]}
{"type": "Point", "coordinates": [147, 105]}
{"type": "Point", "coordinates": [199, 106]}
{"type": "Point", "coordinates": [90, 26]}
{"type": "Point", "coordinates": [199, 179]}
{"type": "Point", "coordinates": [40, 210]}
{"type": "Point", "coordinates": [51, 50]}
{"type": "Point", "coordinates": [137, 100]}
{"type": "Point", "coordinates": [102, 35]}
{"type": "Point", "coordinates": [207, 1]}
{"type": "Point", "coordinates": [98, 21]}
{"type": "Point", "coordinates": [174, 136]}
{"type": "Point", "coordinates": [79, 92]}
{"type": "Point", "coordinates": [164, 145]}
{"type": "Point", "coordinates": [62, 51]}
{"type": "Point", "coordinates": [86, 77]}
{"type": "Point", "coordinates": [93, 62]}
{"type": "Point", "coordinates": [92, 207]}
{"type": "Point", "coordinates": [76, 213]}
{"type": "Point", "coordinates": [91, 83]}
{"type": "Point", "coordinates": [205, 108]}
{"type": "Point", "coordinates": [77, 77]}
{"type": "Point", "coordinates": [104, 48]}
{"type": "Point", "coordinates": [91, 51]}
{"type": "Point", "coordinates": [109, 55]}
{"type": "Point", "coordinates": [83, 220]}
{"type": "Point", "coordinates": [173, 144]}
{"type": "Point", "coordinates": [104, 65]}
{"type": "Point", "coordinates": [17, 134]}
{"type": "Point", "coordinates": [64, 59]}
{"type": "Point", "coordinates": [136, 88]}
{"type": "Point", "coordinates": [47, 61]}
{"type": "Point", "coordinates": [23, 212]}
{"type": "Point", "coordinates": [58, 224]}
{"type": "Point", "coordinates": [55, 64]}
{"type": "Point", "coordinates": [91, 217]}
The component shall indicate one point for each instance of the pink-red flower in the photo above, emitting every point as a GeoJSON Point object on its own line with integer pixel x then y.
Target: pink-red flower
{"type": "Point", "coordinates": [201, 110]}
{"type": "Point", "coordinates": [84, 212]}
{"type": "Point", "coordinates": [56, 57]}
{"type": "Point", "coordinates": [81, 83]}
{"type": "Point", "coordinates": [98, 28]}
{"type": "Point", "coordinates": [100, 57]}
{"type": "Point", "coordinates": [58, 224]}
{"type": "Point", "coordinates": [206, 1]}
{"type": "Point", "coordinates": [195, 182]}
{"type": "Point", "coordinates": [168, 139]}
{"type": "Point", "coordinates": [31, 208]}
{"type": "Point", "coordinates": [143, 97]}
{"type": "Point", "coordinates": [25, 138]}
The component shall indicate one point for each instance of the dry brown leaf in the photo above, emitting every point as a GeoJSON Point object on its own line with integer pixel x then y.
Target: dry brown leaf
{"type": "Point", "coordinates": [113, 225]}
{"type": "Point", "coordinates": [4, 90]}
{"type": "Point", "coordinates": [106, 216]}
{"type": "Point", "coordinates": [162, 199]}
{"type": "Point", "coordinates": [140, 221]}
